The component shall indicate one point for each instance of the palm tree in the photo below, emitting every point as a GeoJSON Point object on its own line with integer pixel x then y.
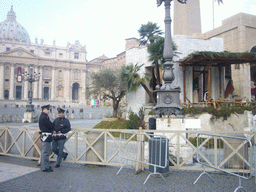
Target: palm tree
{"type": "Point", "coordinates": [149, 33]}
{"type": "Point", "coordinates": [130, 75]}
{"type": "Point", "coordinates": [156, 50]}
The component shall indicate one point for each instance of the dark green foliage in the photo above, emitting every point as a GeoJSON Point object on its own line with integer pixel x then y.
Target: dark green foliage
{"type": "Point", "coordinates": [136, 120]}
{"type": "Point", "coordinates": [141, 114]}
{"type": "Point", "coordinates": [133, 122]}
{"type": "Point", "coordinates": [130, 75]}
{"type": "Point", "coordinates": [118, 124]}
{"type": "Point", "coordinates": [149, 32]}
{"type": "Point", "coordinates": [224, 111]}
{"type": "Point", "coordinates": [108, 85]}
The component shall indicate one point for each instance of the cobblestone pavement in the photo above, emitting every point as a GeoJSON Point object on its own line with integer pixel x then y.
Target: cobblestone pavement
{"type": "Point", "coordinates": [78, 177]}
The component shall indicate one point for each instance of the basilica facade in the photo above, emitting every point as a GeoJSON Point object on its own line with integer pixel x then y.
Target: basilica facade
{"type": "Point", "coordinates": [64, 71]}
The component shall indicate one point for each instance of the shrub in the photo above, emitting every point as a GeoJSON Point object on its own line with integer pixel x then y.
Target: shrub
{"type": "Point", "coordinates": [133, 122]}
{"type": "Point", "coordinates": [136, 120]}
{"type": "Point", "coordinates": [223, 111]}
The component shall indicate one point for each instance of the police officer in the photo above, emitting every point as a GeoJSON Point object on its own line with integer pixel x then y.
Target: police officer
{"type": "Point", "coordinates": [61, 127]}
{"type": "Point", "coordinates": [46, 127]}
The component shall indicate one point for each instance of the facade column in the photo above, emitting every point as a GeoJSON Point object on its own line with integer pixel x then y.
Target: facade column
{"type": "Point", "coordinates": [40, 83]}
{"type": "Point", "coordinates": [35, 92]}
{"type": "Point", "coordinates": [26, 85]}
{"type": "Point", "coordinates": [67, 91]}
{"type": "Point", "coordinates": [1, 81]}
{"type": "Point", "coordinates": [82, 99]}
{"type": "Point", "coordinates": [53, 84]}
{"type": "Point", "coordinates": [11, 95]}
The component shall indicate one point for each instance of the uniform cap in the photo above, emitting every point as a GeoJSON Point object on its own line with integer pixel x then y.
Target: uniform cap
{"type": "Point", "coordinates": [60, 110]}
{"type": "Point", "coordinates": [46, 107]}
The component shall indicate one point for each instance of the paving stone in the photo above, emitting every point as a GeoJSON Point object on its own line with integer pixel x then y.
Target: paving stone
{"type": "Point", "coordinates": [78, 177]}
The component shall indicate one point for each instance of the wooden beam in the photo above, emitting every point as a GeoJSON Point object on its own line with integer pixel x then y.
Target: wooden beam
{"type": "Point", "coordinates": [184, 83]}
{"type": "Point", "coordinates": [220, 81]}
{"type": "Point", "coordinates": [209, 83]}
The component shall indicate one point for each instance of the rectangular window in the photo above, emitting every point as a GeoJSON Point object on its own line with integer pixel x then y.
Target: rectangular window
{"type": "Point", "coordinates": [32, 51]}
{"type": "Point", "coordinates": [8, 48]}
{"type": "Point", "coordinates": [76, 56]}
{"type": "Point", "coordinates": [47, 53]}
{"type": "Point", "coordinates": [6, 80]}
{"type": "Point", "coordinates": [60, 55]}
{"type": "Point", "coordinates": [46, 82]}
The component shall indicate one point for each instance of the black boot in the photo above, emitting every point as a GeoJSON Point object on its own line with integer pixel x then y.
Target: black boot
{"type": "Point", "coordinates": [65, 156]}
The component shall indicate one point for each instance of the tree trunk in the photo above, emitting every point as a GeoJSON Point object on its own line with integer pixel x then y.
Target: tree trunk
{"type": "Point", "coordinates": [115, 107]}
{"type": "Point", "coordinates": [149, 93]}
{"type": "Point", "coordinates": [158, 75]}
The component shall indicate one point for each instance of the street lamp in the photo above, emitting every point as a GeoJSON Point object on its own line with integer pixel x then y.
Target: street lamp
{"type": "Point", "coordinates": [30, 77]}
{"type": "Point", "coordinates": [168, 95]}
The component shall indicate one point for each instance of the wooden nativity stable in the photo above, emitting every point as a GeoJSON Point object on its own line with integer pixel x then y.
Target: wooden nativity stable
{"type": "Point", "coordinates": [207, 75]}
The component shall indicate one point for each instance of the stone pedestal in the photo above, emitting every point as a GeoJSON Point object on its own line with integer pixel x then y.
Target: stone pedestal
{"type": "Point", "coordinates": [30, 117]}
{"type": "Point", "coordinates": [178, 124]}
{"type": "Point", "coordinates": [174, 124]}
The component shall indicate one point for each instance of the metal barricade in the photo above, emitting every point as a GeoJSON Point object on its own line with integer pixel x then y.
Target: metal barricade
{"type": "Point", "coordinates": [156, 159]}
{"type": "Point", "coordinates": [229, 154]}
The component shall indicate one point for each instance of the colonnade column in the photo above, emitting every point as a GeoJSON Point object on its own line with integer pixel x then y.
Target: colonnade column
{"type": "Point", "coordinates": [67, 90]}
{"type": "Point", "coordinates": [26, 86]}
{"type": "Point", "coordinates": [53, 84]}
{"type": "Point", "coordinates": [35, 92]}
{"type": "Point", "coordinates": [82, 99]}
{"type": "Point", "coordinates": [11, 95]}
{"type": "Point", "coordinates": [40, 83]}
{"type": "Point", "coordinates": [1, 81]}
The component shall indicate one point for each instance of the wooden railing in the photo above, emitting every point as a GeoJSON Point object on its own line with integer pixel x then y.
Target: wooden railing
{"type": "Point", "coordinates": [105, 146]}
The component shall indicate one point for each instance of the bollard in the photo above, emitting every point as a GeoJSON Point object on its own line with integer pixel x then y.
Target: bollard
{"type": "Point", "coordinates": [38, 143]}
{"type": "Point", "coordinates": [5, 143]}
{"type": "Point", "coordinates": [72, 116]}
{"type": "Point", "coordinates": [81, 115]}
{"type": "Point", "coordinates": [98, 146]}
{"type": "Point", "coordinates": [90, 116]}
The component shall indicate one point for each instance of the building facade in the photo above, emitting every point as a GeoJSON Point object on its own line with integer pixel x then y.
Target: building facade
{"type": "Point", "coordinates": [120, 59]}
{"type": "Point", "coordinates": [64, 70]}
{"type": "Point", "coordinates": [238, 33]}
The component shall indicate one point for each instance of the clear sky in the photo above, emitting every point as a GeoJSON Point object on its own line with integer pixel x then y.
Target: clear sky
{"type": "Point", "coordinates": [104, 25]}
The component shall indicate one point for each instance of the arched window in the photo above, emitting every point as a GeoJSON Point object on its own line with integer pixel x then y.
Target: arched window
{"type": "Point", "coordinates": [46, 73]}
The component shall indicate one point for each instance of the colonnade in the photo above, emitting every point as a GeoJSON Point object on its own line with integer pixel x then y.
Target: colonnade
{"type": "Point", "coordinates": [38, 86]}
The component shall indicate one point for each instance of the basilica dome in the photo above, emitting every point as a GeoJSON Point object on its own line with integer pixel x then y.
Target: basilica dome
{"type": "Point", "coordinates": [11, 30]}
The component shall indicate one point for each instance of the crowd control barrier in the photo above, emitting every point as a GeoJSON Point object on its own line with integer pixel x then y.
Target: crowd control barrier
{"type": "Point", "coordinates": [157, 157]}
{"type": "Point", "coordinates": [230, 154]}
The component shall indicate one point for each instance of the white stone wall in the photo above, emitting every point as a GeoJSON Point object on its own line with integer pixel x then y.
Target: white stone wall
{"type": "Point", "coordinates": [187, 46]}
{"type": "Point", "coordinates": [136, 100]}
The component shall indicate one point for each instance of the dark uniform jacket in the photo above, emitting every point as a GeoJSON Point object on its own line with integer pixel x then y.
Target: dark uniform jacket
{"type": "Point", "coordinates": [45, 125]}
{"type": "Point", "coordinates": [62, 125]}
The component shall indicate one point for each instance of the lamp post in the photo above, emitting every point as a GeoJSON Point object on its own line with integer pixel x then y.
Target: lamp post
{"type": "Point", "coordinates": [30, 77]}
{"type": "Point", "coordinates": [168, 95]}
